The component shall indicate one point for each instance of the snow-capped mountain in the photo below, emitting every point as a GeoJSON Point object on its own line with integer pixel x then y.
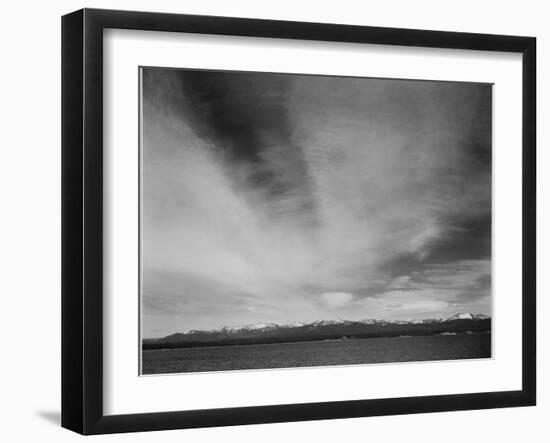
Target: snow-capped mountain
{"type": "Point", "coordinates": [253, 327]}
{"type": "Point", "coordinates": [340, 322]}
{"type": "Point", "coordinates": [296, 324]}
{"type": "Point", "coordinates": [329, 322]}
{"type": "Point", "coordinates": [373, 321]}
{"type": "Point", "coordinates": [261, 333]}
{"type": "Point", "coordinates": [468, 316]}
{"type": "Point", "coordinates": [267, 327]}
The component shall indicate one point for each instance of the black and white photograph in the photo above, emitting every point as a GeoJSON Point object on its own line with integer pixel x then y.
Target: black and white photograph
{"type": "Point", "coordinates": [306, 220]}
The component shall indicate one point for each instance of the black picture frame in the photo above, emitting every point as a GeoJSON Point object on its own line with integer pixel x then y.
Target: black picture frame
{"type": "Point", "coordinates": [82, 221]}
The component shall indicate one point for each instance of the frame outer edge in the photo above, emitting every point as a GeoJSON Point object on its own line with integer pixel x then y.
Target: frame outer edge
{"type": "Point", "coordinates": [93, 222]}
{"type": "Point", "coordinates": [529, 126]}
{"type": "Point", "coordinates": [82, 221]}
{"type": "Point", "coordinates": [72, 222]}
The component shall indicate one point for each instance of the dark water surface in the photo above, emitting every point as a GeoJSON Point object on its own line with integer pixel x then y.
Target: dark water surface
{"type": "Point", "coordinates": [317, 353]}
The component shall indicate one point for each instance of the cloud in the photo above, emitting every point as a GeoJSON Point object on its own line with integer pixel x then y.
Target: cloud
{"type": "Point", "coordinates": [463, 283]}
{"type": "Point", "coordinates": [402, 282]}
{"type": "Point", "coordinates": [337, 299]}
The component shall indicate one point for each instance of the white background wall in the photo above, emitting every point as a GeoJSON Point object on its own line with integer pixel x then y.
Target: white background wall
{"type": "Point", "coordinates": [30, 219]}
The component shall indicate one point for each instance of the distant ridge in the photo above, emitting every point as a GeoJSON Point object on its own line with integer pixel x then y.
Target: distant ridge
{"type": "Point", "coordinates": [270, 326]}
{"type": "Point", "coordinates": [263, 333]}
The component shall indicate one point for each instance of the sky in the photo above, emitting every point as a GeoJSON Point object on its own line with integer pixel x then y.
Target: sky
{"type": "Point", "coordinates": [286, 198]}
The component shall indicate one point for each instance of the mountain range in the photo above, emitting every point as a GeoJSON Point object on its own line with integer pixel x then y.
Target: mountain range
{"type": "Point", "coordinates": [263, 333]}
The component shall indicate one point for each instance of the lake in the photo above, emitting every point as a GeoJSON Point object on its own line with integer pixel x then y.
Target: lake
{"type": "Point", "coordinates": [317, 353]}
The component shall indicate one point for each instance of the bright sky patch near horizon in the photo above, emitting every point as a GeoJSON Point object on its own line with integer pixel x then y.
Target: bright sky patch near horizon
{"type": "Point", "coordinates": [283, 198]}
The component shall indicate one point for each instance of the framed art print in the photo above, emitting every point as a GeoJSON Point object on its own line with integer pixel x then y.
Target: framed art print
{"type": "Point", "coordinates": [271, 221]}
